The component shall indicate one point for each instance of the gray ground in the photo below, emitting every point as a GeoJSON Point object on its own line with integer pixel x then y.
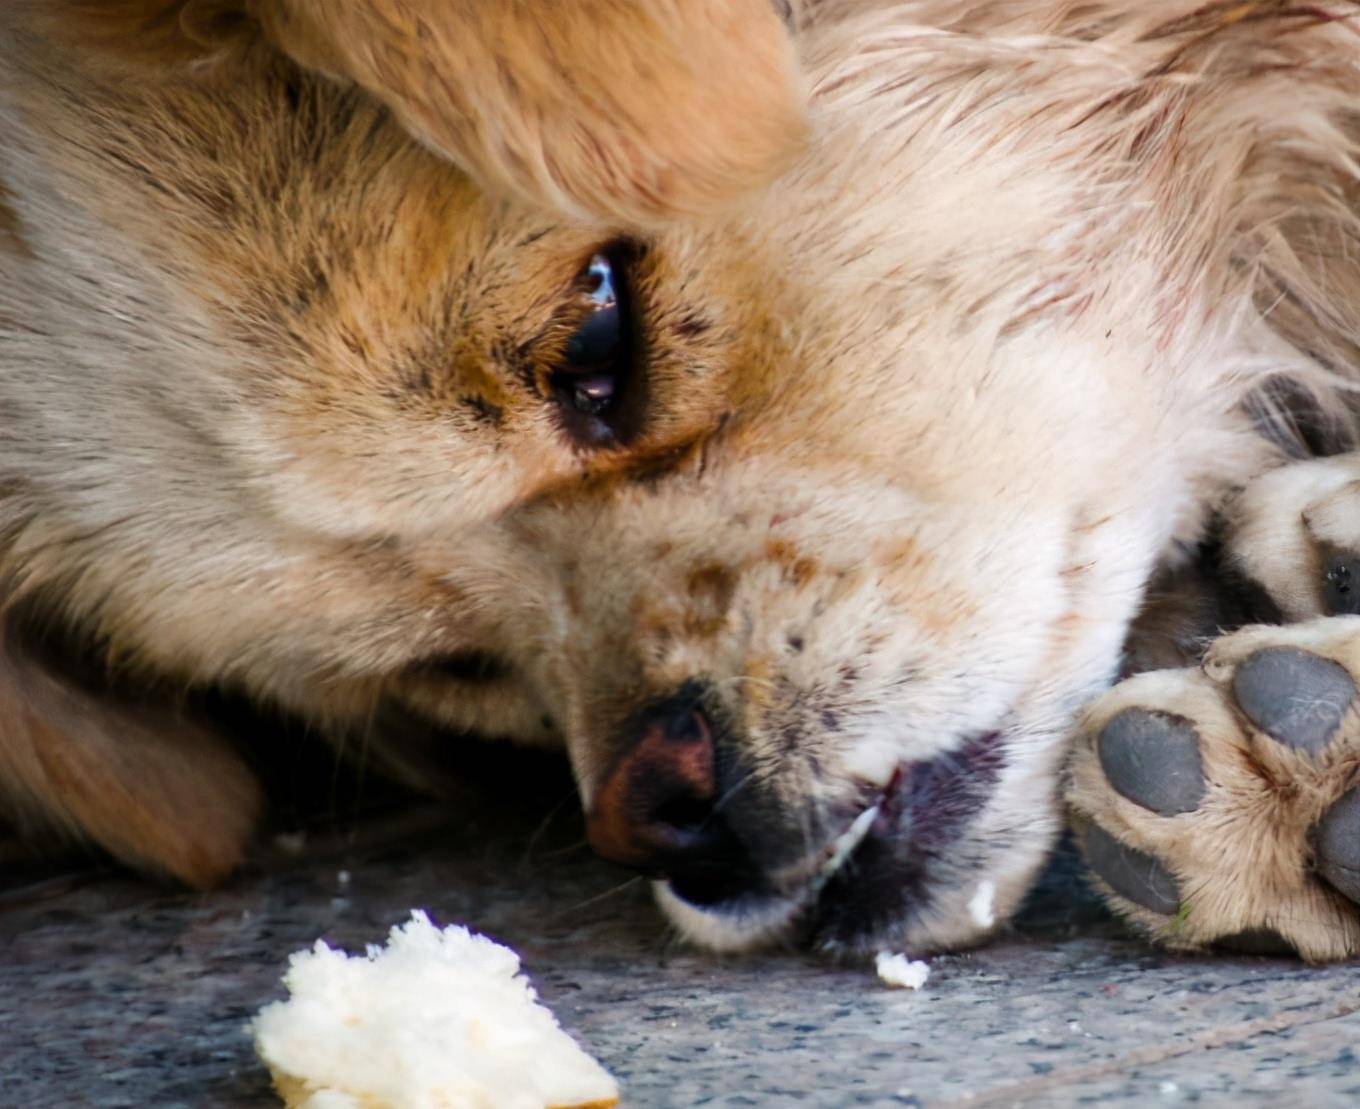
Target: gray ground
{"type": "Point", "coordinates": [116, 993]}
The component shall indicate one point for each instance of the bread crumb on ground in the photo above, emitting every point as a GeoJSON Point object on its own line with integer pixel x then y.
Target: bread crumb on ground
{"type": "Point", "coordinates": [437, 1019]}
{"type": "Point", "coordinates": [898, 970]}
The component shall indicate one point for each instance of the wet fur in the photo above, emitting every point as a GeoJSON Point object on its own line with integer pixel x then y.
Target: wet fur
{"type": "Point", "coordinates": [924, 416]}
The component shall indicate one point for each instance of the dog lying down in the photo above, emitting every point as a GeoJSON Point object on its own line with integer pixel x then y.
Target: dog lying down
{"type": "Point", "coordinates": [787, 412]}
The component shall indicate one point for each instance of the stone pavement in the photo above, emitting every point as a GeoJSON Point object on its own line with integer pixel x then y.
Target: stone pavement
{"type": "Point", "coordinates": [117, 993]}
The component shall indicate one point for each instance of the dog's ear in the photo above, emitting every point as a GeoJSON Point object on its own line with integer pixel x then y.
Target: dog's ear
{"type": "Point", "coordinates": [610, 110]}
{"type": "Point", "coordinates": [141, 781]}
{"type": "Point", "coordinates": [143, 32]}
{"type": "Point", "coordinates": [613, 111]}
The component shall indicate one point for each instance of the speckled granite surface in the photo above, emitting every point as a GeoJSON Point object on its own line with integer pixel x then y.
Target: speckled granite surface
{"type": "Point", "coordinates": [114, 993]}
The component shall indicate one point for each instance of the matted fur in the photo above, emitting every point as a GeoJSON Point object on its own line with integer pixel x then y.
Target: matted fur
{"type": "Point", "coordinates": [922, 417]}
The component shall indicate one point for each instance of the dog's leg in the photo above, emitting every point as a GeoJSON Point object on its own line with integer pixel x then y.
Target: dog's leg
{"type": "Point", "coordinates": [1221, 804]}
{"type": "Point", "coordinates": [144, 783]}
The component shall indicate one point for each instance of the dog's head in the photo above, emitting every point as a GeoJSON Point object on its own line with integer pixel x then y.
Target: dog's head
{"type": "Point", "coordinates": [805, 526]}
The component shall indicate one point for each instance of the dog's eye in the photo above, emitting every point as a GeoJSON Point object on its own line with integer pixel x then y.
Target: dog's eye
{"type": "Point", "coordinates": [592, 380]}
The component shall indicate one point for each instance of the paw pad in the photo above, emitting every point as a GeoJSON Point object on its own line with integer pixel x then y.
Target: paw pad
{"type": "Point", "coordinates": [1338, 845]}
{"type": "Point", "coordinates": [1296, 697]}
{"type": "Point", "coordinates": [1152, 758]}
{"type": "Point", "coordinates": [1131, 873]}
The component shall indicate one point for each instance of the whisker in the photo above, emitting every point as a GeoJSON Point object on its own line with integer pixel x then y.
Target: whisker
{"type": "Point", "coordinates": [727, 797]}
{"type": "Point", "coordinates": [559, 852]}
{"type": "Point", "coordinates": [542, 828]}
{"type": "Point", "coordinates": [600, 896]}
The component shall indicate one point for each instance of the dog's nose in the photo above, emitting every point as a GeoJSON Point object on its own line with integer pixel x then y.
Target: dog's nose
{"type": "Point", "coordinates": [656, 809]}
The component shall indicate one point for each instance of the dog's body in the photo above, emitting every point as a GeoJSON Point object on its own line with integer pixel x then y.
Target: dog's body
{"type": "Point", "coordinates": [834, 549]}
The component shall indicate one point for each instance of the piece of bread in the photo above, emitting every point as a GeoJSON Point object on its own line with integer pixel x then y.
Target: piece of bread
{"type": "Point", "coordinates": [438, 1019]}
{"type": "Point", "coordinates": [894, 970]}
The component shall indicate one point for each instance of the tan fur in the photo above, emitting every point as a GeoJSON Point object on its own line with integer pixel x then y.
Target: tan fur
{"type": "Point", "coordinates": [921, 418]}
{"type": "Point", "coordinates": [156, 789]}
{"type": "Point", "coordinates": [603, 109]}
{"type": "Point", "coordinates": [10, 231]}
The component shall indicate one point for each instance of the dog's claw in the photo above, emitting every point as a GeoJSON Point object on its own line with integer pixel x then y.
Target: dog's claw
{"type": "Point", "coordinates": [1341, 584]}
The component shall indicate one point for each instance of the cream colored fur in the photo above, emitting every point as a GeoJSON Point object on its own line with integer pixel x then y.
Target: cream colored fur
{"type": "Point", "coordinates": [923, 415]}
{"type": "Point", "coordinates": [1285, 519]}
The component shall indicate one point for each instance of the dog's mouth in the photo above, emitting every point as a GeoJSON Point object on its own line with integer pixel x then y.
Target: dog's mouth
{"type": "Point", "coordinates": [866, 882]}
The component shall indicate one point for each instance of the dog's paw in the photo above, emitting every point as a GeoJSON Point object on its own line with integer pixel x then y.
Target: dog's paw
{"type": "Point", "coordinates": [1221, 805]}
{"type": "Point", "coordinates": [1295, 532]}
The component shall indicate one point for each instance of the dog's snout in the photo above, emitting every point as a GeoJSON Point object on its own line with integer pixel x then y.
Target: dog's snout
{"type": "Point", "coordinates": [656, 811]}
{"type": "Point", "coordinates": [656, 804]}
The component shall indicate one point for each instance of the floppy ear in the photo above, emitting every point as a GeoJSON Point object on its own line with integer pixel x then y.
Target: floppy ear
{"type": "Point", "coordinates": [610, 110]}
{"type": "Point", "coordinates": [146, 784]}
{"type": "Point", "coordinates": [615, 111]}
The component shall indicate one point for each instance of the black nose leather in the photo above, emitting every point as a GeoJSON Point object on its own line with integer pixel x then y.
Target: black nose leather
{"type": "Point", "coordinates": [656, 809]}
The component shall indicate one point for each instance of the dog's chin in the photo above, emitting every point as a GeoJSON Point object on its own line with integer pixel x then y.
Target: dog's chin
{"type": "Point", "coordinates": [903, 873]}
{"type": "Point", "coordinates": [755, 920]}
{"type": "Point", "coordinates": [818, 920]}
{"type": "Point", "coordinates": [747, 923]}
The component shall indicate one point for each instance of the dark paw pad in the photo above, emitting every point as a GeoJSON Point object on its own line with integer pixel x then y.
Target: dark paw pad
{"type": "Point", "coordinates": [1152, 758]}
{"type": "Point", "coordinates": [1131, 873]}
{"type": "Point", "coordinates": [1294, 696]}
{"type": "Point", "coordinates": [1338, 845]}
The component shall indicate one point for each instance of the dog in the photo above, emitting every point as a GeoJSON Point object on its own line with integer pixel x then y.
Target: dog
{"type": "Point", "coordinates": [786, 410]}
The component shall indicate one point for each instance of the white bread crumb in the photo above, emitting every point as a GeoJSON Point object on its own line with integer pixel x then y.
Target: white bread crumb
{"type": "Point", "coordinates": [436, 1019]}
{"type": "Point", "coordinates": [898, 970]}
{"type": "Point", "coordinates": [980, 907]}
